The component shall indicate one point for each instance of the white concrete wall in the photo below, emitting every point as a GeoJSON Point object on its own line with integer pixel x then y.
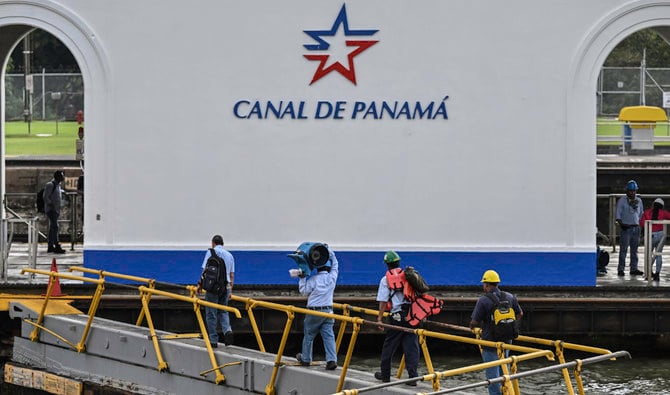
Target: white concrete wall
{"type": "Point", "coordinates": [513, 168]}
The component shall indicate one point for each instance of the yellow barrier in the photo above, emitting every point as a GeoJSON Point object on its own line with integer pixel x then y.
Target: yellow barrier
{"type": "Point", "coordinates": [510, 384]}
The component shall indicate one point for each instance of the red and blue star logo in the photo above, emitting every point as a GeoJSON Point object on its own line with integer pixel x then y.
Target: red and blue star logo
{"type": "Point", "coordinates": [322, 51]}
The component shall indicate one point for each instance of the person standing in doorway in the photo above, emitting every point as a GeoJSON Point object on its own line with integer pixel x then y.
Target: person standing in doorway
{"type": "Point", "coordinates": [628, 214]}
{"type": "Point", "coordinates": [52, 202]}
{"type": "Point", "coordinates": [214, 316]}
{"type": "Point", "coordinates": [656, 212]}
{"type": "Point", "coordinates": [482, 317]}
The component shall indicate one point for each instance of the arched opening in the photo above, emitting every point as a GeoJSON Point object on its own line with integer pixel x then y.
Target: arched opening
{"type": "Point", "coordinates": [44, 130]}
{"type": "Point", "coordinates": [21, 18]}
{"type": "Point", "coordinates": [587, 63]}
{"type": "Point", "coordinates": [635, 75]}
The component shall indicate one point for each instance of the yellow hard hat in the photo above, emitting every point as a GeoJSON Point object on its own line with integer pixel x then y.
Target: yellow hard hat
{"type": "Point", "coordinates": [490, 276]}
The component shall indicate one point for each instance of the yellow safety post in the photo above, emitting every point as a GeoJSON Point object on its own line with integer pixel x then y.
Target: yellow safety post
{"type": "Point", "coordinates": [196, 303]}
{"type": "Point", "coordinates": [270, 388]}
{"type": "Point", "coordinates": [426, 356]}
{"type": "Point", "coordinates": [578, 376]}
{"type": "Point", "coordinates": [513, 371]}
{"type": "Point", "coordinates": [558, 346]}
{"type": "Point", "coordinates": [249, 305]}
{"type": "Point", "coordinates": [162, 365]}
{"type": "Point", "coordinates": [151, 283]}
{"type": "Point", "coordinates": [343, 327]}
{"type": "Point", "coordinates": [219, 376]}
{"type": "Point", "coordinates": [95, 301]}
{"type": "Point", "coordinates": [350, 351]}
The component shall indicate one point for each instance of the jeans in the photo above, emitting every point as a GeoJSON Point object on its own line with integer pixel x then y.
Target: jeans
{"type": "Point", "coordinates": [410, 347]}
{"type": "Point", "coordinates": [212, 315]}
{"type": "Point", "coordinates": [657, 243]}
{"type": "Point", "coordinates": [314, 325]}
{"type": "Point", "coordinates": [491, 354]}
{"type": "Point", "coordinates": [629, 237]}
{"type": "Point", "coordinates": [53, 228]}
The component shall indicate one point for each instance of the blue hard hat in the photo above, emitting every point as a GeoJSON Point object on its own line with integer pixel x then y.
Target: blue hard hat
{"type": "Point", "coordinates": [631, 186]}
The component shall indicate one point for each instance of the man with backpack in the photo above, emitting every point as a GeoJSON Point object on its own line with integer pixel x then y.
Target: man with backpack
{"type": "Point", "coordinates": [218, 275]}
{"type": "Point", "coordinates": [391, 297]}
{"type": "Point", "coordinates": [52, 202]}
{"type": "Point", "coordinates": [498, 314]}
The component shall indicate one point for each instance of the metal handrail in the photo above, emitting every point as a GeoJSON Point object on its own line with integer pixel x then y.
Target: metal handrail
{"type": "Point", "coordinates": [509, 380]}
{"type": "Point", "coordinates": [73, 198]}
{"type": "Point", "coordinates": [649, 253]}
{"type": "Point", "coordinates": [612, 200]}
{"type": "Point", "coordinates": [577, 364]}
{"type": "Point", "coordinates": [5, 243]}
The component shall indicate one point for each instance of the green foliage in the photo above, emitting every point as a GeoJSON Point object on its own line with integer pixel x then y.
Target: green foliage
{"type": "Point", "coordinates": [629, 51]}
{"type": "Point", "coordinates": [48, 53]}
{"type": "Point", "coordinates": [42, 140]}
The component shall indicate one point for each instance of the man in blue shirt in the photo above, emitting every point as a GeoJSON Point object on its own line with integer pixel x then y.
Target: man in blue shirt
{"type": "Point", "coordinates": [319, 290]}
{"type": "Point", "coordinates": [628, 213]}
{"type": "Point", "coordinates": [212, 315]}
{"type": "Point", "coordinates": [482, 318]}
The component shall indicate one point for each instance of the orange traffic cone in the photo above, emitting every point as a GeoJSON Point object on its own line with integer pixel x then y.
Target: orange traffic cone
{"type": "Point", "coordinates": [55, 290]}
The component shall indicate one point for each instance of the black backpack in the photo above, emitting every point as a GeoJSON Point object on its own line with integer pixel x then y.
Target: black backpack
{"type": "Point", "coordinates": [213, 278]}
{"type": "Point", "coordinates": [415, 280]}
{"type": "Point", "coordinates": [39, 199]}
{"type": "Point", "coordinates": [505, 324]}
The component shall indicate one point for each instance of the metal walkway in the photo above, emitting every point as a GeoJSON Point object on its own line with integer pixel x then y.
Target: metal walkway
{"type": "Point", "coordinates": [122, 356]}
{"type": "Point", "coordinates": [74, 348]}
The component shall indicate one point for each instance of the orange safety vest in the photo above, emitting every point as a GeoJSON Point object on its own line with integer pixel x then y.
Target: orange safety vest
{"type": "Point", "coordinates": [421, 306]}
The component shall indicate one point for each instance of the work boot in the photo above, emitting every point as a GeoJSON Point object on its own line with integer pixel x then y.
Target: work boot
{"type": "Point", "coordinates": [228, 338]}
{"type": "Point", "coordinates": [378, 376]}
{"type": "Point", "coordinates": [298, 356]}
{"type": "Point", "coordinates": [50, 249]}
{"type": "Point", "coordinates": [636, 273]}
{"type": "Point", "coordinates": [58, 250]}
{"type": "Point", "coordinates": [331, 365]}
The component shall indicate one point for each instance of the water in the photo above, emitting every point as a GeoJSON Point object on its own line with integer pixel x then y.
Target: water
{"type": "Point", "coordinates": [638, 376]}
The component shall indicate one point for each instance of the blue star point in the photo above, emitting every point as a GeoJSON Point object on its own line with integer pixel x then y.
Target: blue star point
{"type": "Point", "coordinates": [322, 45]}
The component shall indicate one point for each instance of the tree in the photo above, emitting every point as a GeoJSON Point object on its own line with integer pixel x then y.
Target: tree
{"type": "Point", "coordinates": [629, 51]}
{"type": "Point", "coordinates": [48, 53]}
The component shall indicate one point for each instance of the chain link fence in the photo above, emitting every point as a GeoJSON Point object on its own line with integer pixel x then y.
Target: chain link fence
{"type": "Point", "coordinates": [620, 87]}
{"type": "Point", "coordinates": [60, 95]}
{"type": "Point", "coordinates": [55, 96]}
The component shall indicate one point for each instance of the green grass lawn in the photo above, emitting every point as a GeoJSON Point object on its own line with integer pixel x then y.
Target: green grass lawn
{"type": "Point", "coordinates": [45, 138]}
{"type": "Point", "coordinates": [611, 127]}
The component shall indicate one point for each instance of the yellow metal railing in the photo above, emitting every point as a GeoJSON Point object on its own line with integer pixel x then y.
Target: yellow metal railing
{"type": "Point", "coordinates": [145, 296]}
{"type": "Point", "coordinates": [95, 301]}
{"type": "Point", "coordinates": [509, 379]}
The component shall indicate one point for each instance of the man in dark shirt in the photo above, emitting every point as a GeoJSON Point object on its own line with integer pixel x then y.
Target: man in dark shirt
{"type": "Point", "coordinates": [482, 318]}
{"type": "Point", "coordinates": [52, 203]}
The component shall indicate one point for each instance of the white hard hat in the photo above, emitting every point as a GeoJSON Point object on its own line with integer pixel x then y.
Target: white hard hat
{"type": "Point", "coordinates": [659, 201]}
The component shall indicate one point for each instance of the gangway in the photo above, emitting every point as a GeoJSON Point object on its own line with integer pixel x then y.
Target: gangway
{"type": "Point", "coordinates": [73, 347]}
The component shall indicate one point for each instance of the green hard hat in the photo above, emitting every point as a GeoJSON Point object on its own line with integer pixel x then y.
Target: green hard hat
{"type": "Point", "coordinates": [391, 256]}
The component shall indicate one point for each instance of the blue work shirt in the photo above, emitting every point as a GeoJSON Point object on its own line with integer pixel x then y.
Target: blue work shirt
{"type": "Point", "coordinates": [319, 288]}
{"type": "Point", "coordinates": [629, 213]}
{"type": "Point", "coordinates": [227, 258]}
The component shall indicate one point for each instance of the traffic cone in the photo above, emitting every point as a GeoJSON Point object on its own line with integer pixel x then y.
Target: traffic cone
{"type": "Point", "coordinates": [55, 291]}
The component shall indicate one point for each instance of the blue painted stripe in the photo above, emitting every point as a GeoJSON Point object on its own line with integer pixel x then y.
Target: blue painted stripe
{"type": "Point", "coordinates": [361, 267]}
